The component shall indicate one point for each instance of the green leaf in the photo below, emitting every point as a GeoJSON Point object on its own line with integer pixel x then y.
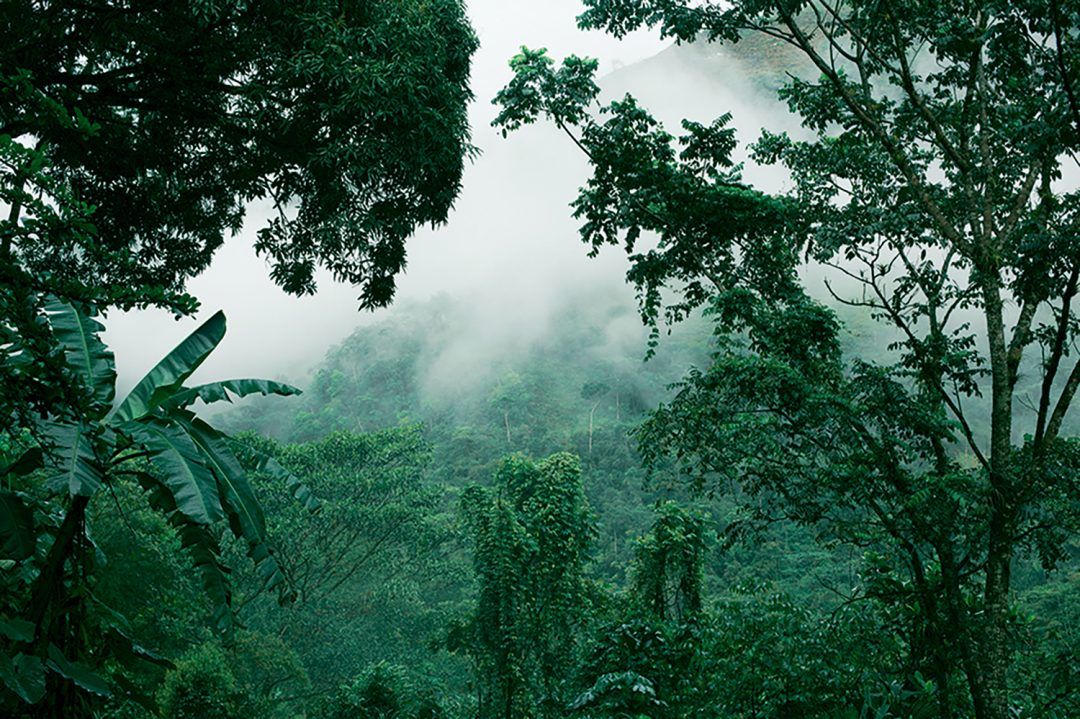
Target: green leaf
{"type": "Point", "coordinates": [81, 674]}
{"type": "Point", "coordinates": [232, 481]}
{"type": "Point", "coordinates": [17, 538]}
{"type": "Point", "coordinates": [167, 377]}
{"type": "Point", "coordinates": [183, 470]}
{"type": "Point", "coordinates": [78, 333]}
{"type": "Point", "coordinates": [243, 510]}
{"type": "Point", "coordinates": [134, 693]}
{"type": "Point", "coordinates": [24, 675]}
{"type": "Point", "coordinates": [201, 544]}
{"type": "Point", "coordinates": [221, 391]}
{"type": "Point", "coordinates": [118, 639]}
{"type": "Point", "coordinates": [18, 629]}
{"type": "Point", "coordinates": [71, 461]}
{"type": "Point", "coordinates": [130, 654]}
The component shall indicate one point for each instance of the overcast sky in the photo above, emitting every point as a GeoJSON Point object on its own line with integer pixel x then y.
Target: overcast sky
{"type": "Point", "coordinates": [509, 233]}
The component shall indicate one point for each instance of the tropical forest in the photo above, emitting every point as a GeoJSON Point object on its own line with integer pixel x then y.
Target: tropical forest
{"type": "Point", "coordinates": [522, 359]}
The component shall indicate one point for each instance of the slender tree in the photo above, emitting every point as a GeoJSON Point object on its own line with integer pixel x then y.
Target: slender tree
{"type": "Point", "coordinates": [593, 391]}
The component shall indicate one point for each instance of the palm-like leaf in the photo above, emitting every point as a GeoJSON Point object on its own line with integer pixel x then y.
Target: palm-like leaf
{"type": "Point", "coordinates": [77, 332]}
{"type": "Point", "coordinates": [71, 461]}
{"type": "Point", "coordinates": [196, 478]}
{"type": "Point", "coordinates": [182, 466]}
{"type": "Point", "coordinates": [24, 675]}
{"type": "Point", "coordinates": [242, 508]}
{"type": "Point", "coordinates": [222, 391]}
{"type": "Point", "coordinates": [82, 675]}
{"type": "Point", "coordinates": [200, 543]}
{"type": "Point", "coordinates": [203, 547]}
{"type": "Point", "coordinates": [167, 377]}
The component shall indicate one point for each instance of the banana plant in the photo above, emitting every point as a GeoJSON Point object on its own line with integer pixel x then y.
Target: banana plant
{"type": "Point", "coordinates": [192, 473]}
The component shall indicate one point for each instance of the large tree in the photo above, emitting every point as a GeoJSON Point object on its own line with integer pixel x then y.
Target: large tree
{"type": "Point", "coordinates": [133, 135]}
{"type": "Point", "coordinates": [931, 184]}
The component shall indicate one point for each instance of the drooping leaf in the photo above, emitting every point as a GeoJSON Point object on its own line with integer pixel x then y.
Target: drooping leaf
{"type": "Point", "coordinates": [242, 508]}
{"type": "Point", "coordinates": [232, 481]}
{"type": "Point", "coordinates": [118, 638]}
{"type": "Point", "coordinates": [134, 693]}
{"type": "Point", "coordinates": [199, 541]}
{"type": "Point", "coordinates": [26, 463]}
{"type": "Point", "coordinates": [222, 391]}
{"type": "Point", "coordinates": [166, 378]}
{"type": "Point", "coordinates": [70, 461]}
{"type": "Point", "coordinates": [17, 538]}
{"type": "Point", "coordinates": [78, 333]}
{"type": "Point", "coordinates": [183, 469]}
{"type": "Point", "coordinates": [130, 654]}
{"type": "Point", "coordinates": [81, 674]}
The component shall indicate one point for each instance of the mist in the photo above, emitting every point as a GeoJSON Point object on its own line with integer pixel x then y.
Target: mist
{"type": "Point", "coordinates": [509, 253]}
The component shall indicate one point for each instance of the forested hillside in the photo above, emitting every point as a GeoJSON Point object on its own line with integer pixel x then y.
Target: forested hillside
{"type": "Point", "coordinates": [800, 444]}
{"type": "Point", "coordinates": [391, 571]}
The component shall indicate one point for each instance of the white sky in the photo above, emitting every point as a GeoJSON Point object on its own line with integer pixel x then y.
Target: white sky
{"type": "Point", "coordinates": [509, 236]}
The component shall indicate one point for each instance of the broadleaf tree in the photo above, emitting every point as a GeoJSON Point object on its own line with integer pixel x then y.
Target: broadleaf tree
{"type": "Point", "coordinates": [929, 189]}
{"type": "Point", "coordinates": [153, 439]}
{"type": "Point", "coordinates": [132, 139]}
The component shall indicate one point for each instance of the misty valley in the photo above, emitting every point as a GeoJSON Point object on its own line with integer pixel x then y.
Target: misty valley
{"type": "Point", "coordinates": [372, 360]}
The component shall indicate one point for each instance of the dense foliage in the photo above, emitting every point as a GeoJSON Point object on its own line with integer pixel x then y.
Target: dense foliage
{"type": "Point", "coordinates": [132, 138]}
{"type": "Point", "coordinates": [925, 182]}
{"type": "Point", "coordinates": [165, 120]}
{"type": "Point", "coordinates": [844, 485]}
{"type": "Point", "coordinates": [530, 533]}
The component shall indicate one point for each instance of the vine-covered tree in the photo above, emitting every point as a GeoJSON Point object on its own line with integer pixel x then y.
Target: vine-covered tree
{"type": "Point", "coordinates": [530, 535]}
{"type": "Point", "coordinates": [931, 183]}
{"type": "Point", "coordinates": [668, 570]}
{"type": "Point", "coordinates": [384, 691]}
{"type": "Point", "coordinates": [651, 660]}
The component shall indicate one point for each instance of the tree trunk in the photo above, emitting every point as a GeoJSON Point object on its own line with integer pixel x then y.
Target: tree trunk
{"type": "Point", "coordinates": [993, 650]}
{"type": "Point", "coordinates": [506, 423]}
{"type": "Point", "coordinates": [53, 618]}
{"type": "Point", "coordinates": [591, 413]}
